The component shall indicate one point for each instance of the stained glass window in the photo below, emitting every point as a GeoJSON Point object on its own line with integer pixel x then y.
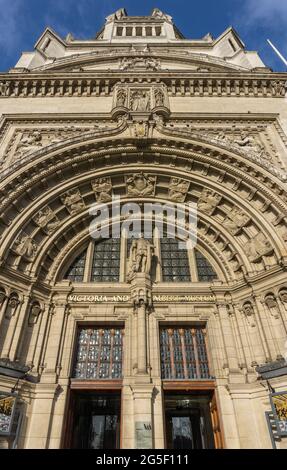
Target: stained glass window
{"type": "Point", "coordinates": [205, 271]}
{"type": "Point", "coordinates": [183, 354]}
{"type": "Point", "coordinates": [106, 261]}
{"type": "Point", "coordinates": [175, 265]}
{"type": "Point", "coordinates": [75, 272]}
{"type": "Point", "coordinates": [99, 354]}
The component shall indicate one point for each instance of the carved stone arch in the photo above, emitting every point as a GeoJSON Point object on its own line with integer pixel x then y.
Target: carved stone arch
{"type": "Point", "coordinates": [177, 159]}
{"type": "Point", "coordinates": [83, 215]}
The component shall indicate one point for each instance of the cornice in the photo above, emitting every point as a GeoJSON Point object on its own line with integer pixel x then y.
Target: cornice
{"type": "Point", "coordinates": [178, 83]}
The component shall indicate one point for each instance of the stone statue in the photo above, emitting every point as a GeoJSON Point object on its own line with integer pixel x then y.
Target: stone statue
{"type": "Point", "coordinates": [236, 219]}
{"type": "Point", "coordinates": [140, 100]}
{"type": "Point", "coordinates": [248, 312]}
{"type": "Point", "coordinates": [159, 97]}
{"type": "Point", "coordinates": [208, 201]}
{"type": "Point", "coordinates": [178, 189]}
{"type": "Point", "coordinates": [257, 247]}
{"type": "Point", "coordinates": [121, 97]}
{"type": "Point", "coordinates": [47, 220]}
{"type": "Point", "coordinates": [102, 188]}
{"type": "Point", "coordinates": [140, 256]}
{"type": "Point", "coordinates": [26, 247]}
{"type": "Point", "coordinates": [141, 184]}
{"type": "Point", "coordinates": [73, 201]}
{"type": "Point", "coordinates": [4, 87]}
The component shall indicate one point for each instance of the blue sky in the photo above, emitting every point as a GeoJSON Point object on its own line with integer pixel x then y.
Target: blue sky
{"type": "Point", "coordinates": [23, 21]}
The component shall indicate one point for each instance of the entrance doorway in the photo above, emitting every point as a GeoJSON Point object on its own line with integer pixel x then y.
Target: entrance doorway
{"type": "Point", "coordinates": [188, 421]}
{"type": "Point", "coordinates": [96, 420]}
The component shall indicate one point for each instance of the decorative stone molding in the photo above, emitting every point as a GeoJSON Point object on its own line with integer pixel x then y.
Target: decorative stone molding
{"type": "Point", "coordinates": [178, 189]}
{"type": "Point", "coordinates": [73, 201]}
{"type": "Point", "coordinates": [140, 185]}
{"type": "Point", "coordinates": [102, 188]}
{"type": "Point", "coordinates": [47, 220]}
{"type": "Point", "coordinates": [26, 246]}
{"type": "Point", "coordinates": [208, 201]}
{"type": "Point", "coordinates": [236, 219]}
{"type": "Point", "coordinates": [185, 85]}
{"type": "Point", "coordinates": [258, 247]}
{"type": "Point", "coordinates": [138, 101]}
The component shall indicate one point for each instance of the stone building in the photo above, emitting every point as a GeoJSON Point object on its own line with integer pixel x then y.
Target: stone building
{"type": "Point", "coordinates": [120, 343]}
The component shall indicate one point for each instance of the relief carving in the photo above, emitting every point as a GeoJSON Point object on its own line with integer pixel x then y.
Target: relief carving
{"type": "Point", "coordinates": [235, 221]}
{"type": "Point", "coordinates": [73, 201]}
{"type": "Point", "coordinates": [178, 189]}
{"type": "Point", "coordinates": [208, 201]}
{"type": "Point", "coordinates": [121, 97]}
{"type": "Point", "coordinates": [257, 247]}
{"type": "Point", "coordinates": [102, 188]}
{"type": "Point", "coordinates": [140, 100]}
{"type": "Point", "coordinates": [47, 220]}
{"type": "Point", "coordinates": [140, 184]}
{"type": "Point", "coordinates": [25, 246]}
{"type": "Point", "coordinates": [30, 143]}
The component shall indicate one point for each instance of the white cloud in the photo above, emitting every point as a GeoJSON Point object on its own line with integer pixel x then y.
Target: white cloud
{"type": "Point", "coordinates": [266, 11]}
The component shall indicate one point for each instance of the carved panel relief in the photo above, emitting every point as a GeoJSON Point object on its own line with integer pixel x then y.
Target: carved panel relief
{"type": "Point", "coordinates": [140, 184]}
{"type": "Point", "coordinates": [73, 201]}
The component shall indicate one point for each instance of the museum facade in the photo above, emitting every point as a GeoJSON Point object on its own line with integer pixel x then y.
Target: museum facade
{"type": "Point", "coordinates": [117, 342]}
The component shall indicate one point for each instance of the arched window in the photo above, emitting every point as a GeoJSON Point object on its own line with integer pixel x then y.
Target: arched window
{"type": "Point", "coordinates": [76, 271]}
{"type": "Point", "coordinates": [106, 261]}
{"type": "Point", "coordinates": [205, 271]}
{"type": "Point", "coordinates": [174, 261]}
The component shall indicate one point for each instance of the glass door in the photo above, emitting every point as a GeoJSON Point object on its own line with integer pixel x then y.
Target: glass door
{"type": "Point", "coordinates": [96, 421]}
{"type": "Point", "coordinates": [188, 421]}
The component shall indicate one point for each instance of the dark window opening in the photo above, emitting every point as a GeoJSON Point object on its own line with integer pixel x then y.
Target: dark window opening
{"type": "Point", "coordinates": [183, 354]}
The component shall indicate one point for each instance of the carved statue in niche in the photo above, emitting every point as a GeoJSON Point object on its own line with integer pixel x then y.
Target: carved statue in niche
{"type": "Point", "coordinates": [236, 219]}
{"type": "Point", "coordinates": [140, 184]}
{"type": "Point", "coordinates": [25, 246]}
{"type": "Point", "coordinates": [257, 247]}
{"type": "Point", "coordinates": [283, 295]}
{"type": "Point", "coordinates": [208, 201]}
{"type": "Point", "coordinates": [30, 143]}
{"type": "Point", "coordinates": [102, 188]}
{"type": "Point", "coordinates": [121, 97]}
{"type": "Point", "coordinates": [4, 87]}
{"type": "Point", "coordinates": [140, 256]}
{"type": "Point", "coordinates": [73, 201]}
{"type": "Point", "coordinates": [47, 220]}
{"type": "Point", "coordinates": [271, 303]}
{"type": "Point", "coordinates": [279, 87]}
{"type": "Point", "coordinates": [159, 97]}
{"type": "Point", "coordinates": [248, 312]}
{"type": "Point", "coordinates": [140, 100]}
{"type": "Point", "coordinates": [34, 313]}
{"type": "Point", "coordinates": [178, 189]}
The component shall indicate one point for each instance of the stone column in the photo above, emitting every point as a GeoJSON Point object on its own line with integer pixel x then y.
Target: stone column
{"type": "Point", "coordinates": [54, 341]}
{"type": "Point", "coordinates": [142, 388]}
{"type": "Point", "coordinates": [228, 338]}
